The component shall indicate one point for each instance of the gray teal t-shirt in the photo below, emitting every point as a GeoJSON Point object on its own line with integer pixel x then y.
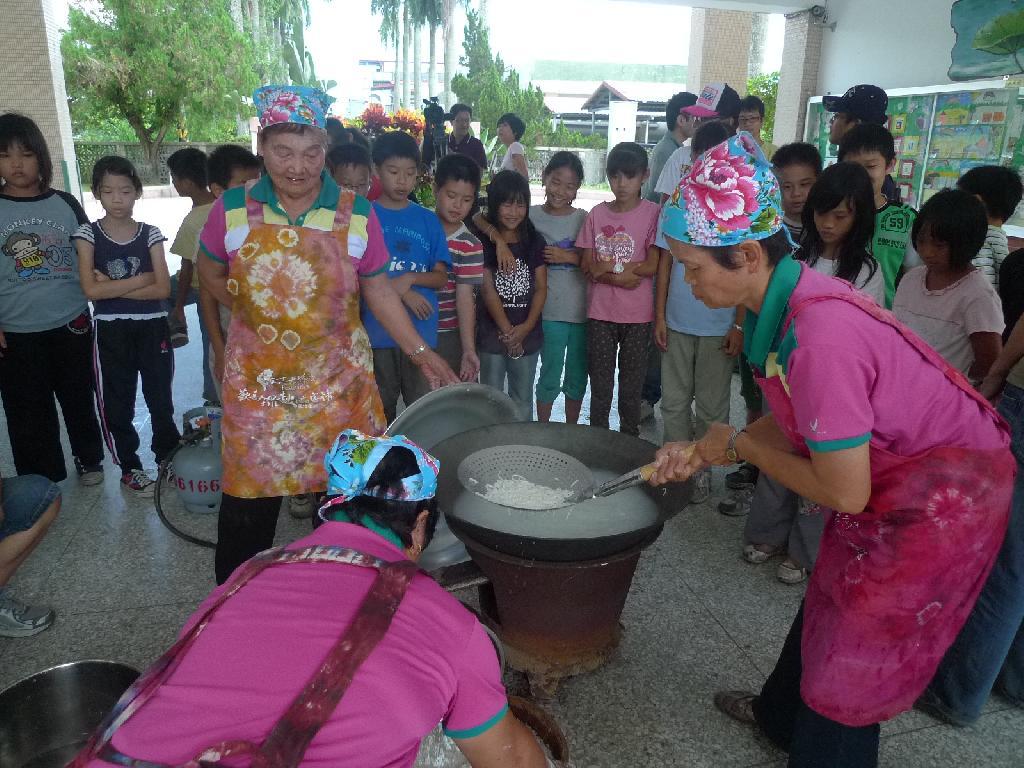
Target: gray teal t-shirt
{"type": "Point", "coordinates": [567, 288]}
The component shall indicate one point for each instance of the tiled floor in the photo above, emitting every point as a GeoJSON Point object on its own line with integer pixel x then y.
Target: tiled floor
{"type": "Point", "coordinates": [698, 619]}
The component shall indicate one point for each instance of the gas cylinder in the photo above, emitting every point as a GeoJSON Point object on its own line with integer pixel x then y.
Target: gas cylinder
{"type": "Point", "coordinates": [197, 464]}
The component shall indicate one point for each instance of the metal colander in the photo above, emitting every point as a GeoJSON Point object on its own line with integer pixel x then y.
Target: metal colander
{"type": "Point", "coordinates": [540, 466]}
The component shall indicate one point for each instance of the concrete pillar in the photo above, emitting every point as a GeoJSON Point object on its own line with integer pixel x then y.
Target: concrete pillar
{"type": "Point", "coordinates": [798, 79]}
{"type": "Point", "coordinates": [719, 48]}
{"type": "Point", "coordinates": [32, 80]}
{"type": "Point", "coordinates": [758, 42]}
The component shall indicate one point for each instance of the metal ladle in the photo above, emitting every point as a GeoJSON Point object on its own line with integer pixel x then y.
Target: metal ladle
{"type": "Point", "coordinates": [631, 479]}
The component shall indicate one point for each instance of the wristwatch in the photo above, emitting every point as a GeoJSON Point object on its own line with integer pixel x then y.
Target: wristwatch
{"type": "Point", "coordinates": [619, 268]}
{"type": "Point", "coordinates": [737, 327]}
{"type": "Point", "coordinates": [730, 450]}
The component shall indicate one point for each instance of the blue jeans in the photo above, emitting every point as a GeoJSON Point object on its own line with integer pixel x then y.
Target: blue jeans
{"type": "Point", "coordinates": [24, 499]}
{"type": "Point", "coordinates": [192, 297]}
{"type": "Point", "coordinates": [989, 651]}
{"type": "Point", "coordinates": [521, 375]}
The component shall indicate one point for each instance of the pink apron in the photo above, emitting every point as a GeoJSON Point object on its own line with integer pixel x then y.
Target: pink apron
{"type": "Point", "coordinates": [893, 585]}
{"type": "Point", "coordinates": [286, 744]}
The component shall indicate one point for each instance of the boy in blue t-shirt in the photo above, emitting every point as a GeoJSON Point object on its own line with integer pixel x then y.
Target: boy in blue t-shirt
{"type": "Point", "coordinates": [699, 347]}
{"type": "Point", "coordinates": [418, 268]}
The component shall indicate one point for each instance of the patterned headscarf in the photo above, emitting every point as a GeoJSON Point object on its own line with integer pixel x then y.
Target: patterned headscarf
{"type": "Point", "coordinates": [291, 104]}
{"type": "Point", "coordinates": [353, 458]}
{"type": "Point", "coordinates": [728, 195]}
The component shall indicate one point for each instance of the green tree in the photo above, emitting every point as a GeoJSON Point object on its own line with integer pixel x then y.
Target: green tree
{"type": "Point", "coordinates": [158, 65]}
{"type": "Point", "coordinates": [277, 30]}
{"type": "Point", "coordinates": [493, 89]}
{"type": "Point", "coordinates": [766, 88]}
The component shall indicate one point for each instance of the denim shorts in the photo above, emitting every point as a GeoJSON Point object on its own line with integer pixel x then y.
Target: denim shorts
{"type": "Point", "coordinates": [24, 499]}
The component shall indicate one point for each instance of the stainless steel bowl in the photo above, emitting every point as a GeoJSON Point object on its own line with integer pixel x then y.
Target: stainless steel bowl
{"type": "Point", "coordinates": [47, 718]}
{"type": "Point", "coordinates": [450, 410]}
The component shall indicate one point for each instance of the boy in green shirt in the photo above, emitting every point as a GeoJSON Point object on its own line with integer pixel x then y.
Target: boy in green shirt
{"type": "Point", "coordinates": [872, 148]}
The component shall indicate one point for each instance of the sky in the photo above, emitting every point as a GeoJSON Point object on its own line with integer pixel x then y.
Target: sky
{"type": "Point", "coordinates": [524, 31]}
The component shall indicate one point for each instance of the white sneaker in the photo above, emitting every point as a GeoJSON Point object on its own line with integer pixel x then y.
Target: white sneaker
{"type": "Point", "coordinates": [752, 554]}
{"type": "Point", "coordinates": [91, 475]}
{"type": "Point", "coordinates": [702, 487]}
{"type": "Point", "coordinates": [138, 482]}
{"type": "Point", "coordinates": [301, 507]}
{"type": "Point", "coordinates": [789, 572]}
{"type": "Point", "coordinates": [20, 620]}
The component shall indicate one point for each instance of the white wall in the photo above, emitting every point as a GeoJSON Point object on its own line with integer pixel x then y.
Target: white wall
{"type": "Point", "coordinates": [889, 43]}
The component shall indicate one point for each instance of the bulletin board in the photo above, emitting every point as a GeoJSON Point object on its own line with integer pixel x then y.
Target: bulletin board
{"type": "Point", "coordinates": [910, 118]}
{"type": "Point", "coordinates": [940, 133]}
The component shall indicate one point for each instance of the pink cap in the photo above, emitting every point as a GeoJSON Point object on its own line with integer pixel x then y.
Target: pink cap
{"type": "Point", "coordinates": [710, 102]}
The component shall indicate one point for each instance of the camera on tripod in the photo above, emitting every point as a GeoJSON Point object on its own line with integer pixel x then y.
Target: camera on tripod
{"type": "Point", "coordinates": [434, 117]}
{"type": "Point", "coordinates": [434, 114]}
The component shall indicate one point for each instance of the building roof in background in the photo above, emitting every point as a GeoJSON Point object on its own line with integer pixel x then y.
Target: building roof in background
{"type": "Point", "coordinates": [566, 97]}
{"type": "Point", "coordinates": [564, 105]}
{"type": "Point", "coordinates": [650, 96]}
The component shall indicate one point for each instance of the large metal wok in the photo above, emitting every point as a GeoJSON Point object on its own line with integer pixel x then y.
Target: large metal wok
{"type": "Point", "coordinates": [587, 530]}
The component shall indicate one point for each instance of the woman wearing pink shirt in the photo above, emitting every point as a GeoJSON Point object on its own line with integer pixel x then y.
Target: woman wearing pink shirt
{"type": "Point", "coordinates": [332, 652]}
{"type": "Point", "coordinates": [921, 502]}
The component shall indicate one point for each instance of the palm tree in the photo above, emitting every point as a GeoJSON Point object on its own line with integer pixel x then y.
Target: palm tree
{"type": "Point", "coordinates": [390, 32]}
{"type": "Point", "coordinates": [406, 35]}
{"type": "Point", "coordinates": [426, 13]}
{"type": "Point", "coordinates": [417, 57]}
{"type": "Point", "coordinates": [433, 22]}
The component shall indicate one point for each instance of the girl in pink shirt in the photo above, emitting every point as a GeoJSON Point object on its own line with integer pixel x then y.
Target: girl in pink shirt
{"type": "Point", "coordinates": [620, 258]}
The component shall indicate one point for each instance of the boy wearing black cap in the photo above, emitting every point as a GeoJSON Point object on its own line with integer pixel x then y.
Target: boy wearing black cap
{"type": "Point", "coordinates": [861, 104]}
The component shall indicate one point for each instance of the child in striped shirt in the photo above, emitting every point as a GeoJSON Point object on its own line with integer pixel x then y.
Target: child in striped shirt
{"type": "Point", "coordinates": [456, 185]}
{"type": "Point", "coordinates": [999, 189]}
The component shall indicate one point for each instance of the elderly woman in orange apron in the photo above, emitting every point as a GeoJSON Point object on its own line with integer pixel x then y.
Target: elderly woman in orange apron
{"type": "Point", "coordinates": [867, 421]}
{"type": "Point", "coordinates": [291, 254]}
{"type": "Point", "coordinates": [333, 652]}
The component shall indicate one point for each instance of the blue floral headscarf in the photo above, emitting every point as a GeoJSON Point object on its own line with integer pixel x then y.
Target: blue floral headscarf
{"type": "Point", "coordinates": [729, 194]}
{"type": "Point", "coordinates": [291, 104]}
{"type": "Point", "coordinates": [353, 458]}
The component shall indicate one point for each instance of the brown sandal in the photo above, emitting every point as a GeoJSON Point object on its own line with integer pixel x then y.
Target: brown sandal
{"type": "Point", "coordinates": [737, 704]}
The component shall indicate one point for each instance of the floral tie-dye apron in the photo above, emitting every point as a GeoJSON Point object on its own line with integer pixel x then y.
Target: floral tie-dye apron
{"type": "Point", "coordinates": [893, 585]}
{"type": "Point", "coordinates": [298, 366]}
